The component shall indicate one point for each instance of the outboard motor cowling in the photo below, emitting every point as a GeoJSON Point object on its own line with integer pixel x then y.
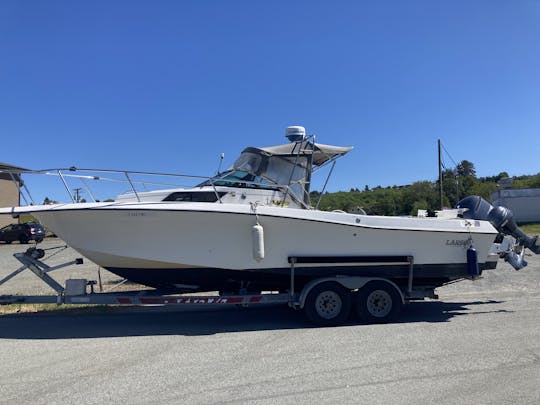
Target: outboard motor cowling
{"type": "Point", "coordinates": [475, 207]}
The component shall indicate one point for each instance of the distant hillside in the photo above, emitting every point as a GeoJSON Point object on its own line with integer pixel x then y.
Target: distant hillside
{"type": "Point", "coordinates": [407, 200]}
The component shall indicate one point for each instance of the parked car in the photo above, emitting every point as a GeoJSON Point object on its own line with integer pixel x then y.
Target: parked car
{"type": "Point", "coordinates": [24, 233]}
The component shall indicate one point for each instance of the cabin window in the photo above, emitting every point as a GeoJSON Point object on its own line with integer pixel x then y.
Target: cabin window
{"type": "Point", "coordinates": [283, 169]}
{"type": "Point", "coordinates": [248, 162]}
{"type": "Point", "coordinates": [202, 196]}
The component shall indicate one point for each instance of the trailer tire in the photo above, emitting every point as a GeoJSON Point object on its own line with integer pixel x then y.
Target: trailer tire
{"type": "Point", "coordinates": [378, 302]}
{"type": "Point", "coordinates": [328, 304]}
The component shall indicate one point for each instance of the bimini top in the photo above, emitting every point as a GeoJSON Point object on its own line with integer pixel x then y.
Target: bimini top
{"type": "Point", "coordinates": [320, 153]}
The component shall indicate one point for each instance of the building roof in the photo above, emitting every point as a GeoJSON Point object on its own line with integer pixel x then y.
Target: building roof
{"type": "Point", "coordinates": [11, 172]}
{"type": "Point", "coordinates": [7, 167]}
{"type": "Point", "coordinates": [516, 192]}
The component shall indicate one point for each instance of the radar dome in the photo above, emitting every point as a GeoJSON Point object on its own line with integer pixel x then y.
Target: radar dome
{"type": "Point", "coordinates": [295, 133]}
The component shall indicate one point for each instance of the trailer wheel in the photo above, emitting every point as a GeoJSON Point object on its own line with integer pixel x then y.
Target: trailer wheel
{"type": "Point", "coordinates": [328, 304]}
{"type": "Point", "coordinates": [378, 302]}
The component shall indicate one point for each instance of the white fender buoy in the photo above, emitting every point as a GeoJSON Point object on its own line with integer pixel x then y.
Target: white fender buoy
{"type": "Point", "coordinates": [257, 232]}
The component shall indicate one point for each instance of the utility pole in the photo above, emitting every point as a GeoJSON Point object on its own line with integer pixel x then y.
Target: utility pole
{"type": "Point", "coordinates": [77, 194]}
{"type": "Point", "coordinates": [440, 174]}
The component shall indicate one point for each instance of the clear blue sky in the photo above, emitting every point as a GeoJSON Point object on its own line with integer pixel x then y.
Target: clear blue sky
{"type": "Point", "coordinates": [169, 85]}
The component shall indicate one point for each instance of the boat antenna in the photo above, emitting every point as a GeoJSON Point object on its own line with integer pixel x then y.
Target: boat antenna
{"type": "Point", "coordinates": [221, 157]}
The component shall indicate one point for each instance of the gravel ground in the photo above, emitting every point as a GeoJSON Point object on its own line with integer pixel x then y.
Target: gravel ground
{"type": "Point", "coordinates": [27, 283]}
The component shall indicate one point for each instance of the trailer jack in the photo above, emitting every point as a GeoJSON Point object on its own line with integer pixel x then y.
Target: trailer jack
{"type": "Point", "coordinates": [31, 260]}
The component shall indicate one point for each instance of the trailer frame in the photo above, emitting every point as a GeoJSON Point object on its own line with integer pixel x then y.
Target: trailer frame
{"type": "Point", "coordinates": [75, 291]}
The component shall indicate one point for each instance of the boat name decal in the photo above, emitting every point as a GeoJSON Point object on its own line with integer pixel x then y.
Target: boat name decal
{"type": "Point", "coordinates": [457, 242]}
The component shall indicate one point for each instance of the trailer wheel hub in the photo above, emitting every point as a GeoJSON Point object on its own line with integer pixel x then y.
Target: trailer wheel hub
{"type": "Point", "coordinates": [328, 304]}
{"type": "Point", "coordinates": [379, 303]}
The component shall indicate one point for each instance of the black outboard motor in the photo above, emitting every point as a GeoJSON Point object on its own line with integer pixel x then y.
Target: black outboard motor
{"type": "Point", "coordinates": [503, 220]}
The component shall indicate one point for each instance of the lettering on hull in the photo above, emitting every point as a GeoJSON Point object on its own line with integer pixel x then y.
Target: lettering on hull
{"type": "Point", "coordinates": [457, 242]}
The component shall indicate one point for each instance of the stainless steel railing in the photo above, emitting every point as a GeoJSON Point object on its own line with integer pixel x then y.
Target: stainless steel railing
{"type": "Point", "coordinates": [127, 176]}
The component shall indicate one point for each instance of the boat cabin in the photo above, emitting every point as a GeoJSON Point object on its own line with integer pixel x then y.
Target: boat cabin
{"type": "Point", "coordinates": [275, 175]}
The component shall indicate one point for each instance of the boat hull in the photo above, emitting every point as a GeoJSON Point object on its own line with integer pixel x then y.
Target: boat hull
{"type": "Point", "coordinates": [215, 279]}
{"type": "Point", "coordinates": [203, 247]}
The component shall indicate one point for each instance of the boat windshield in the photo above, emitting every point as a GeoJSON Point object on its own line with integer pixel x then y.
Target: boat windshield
{"type": "Point", "coordinates": [239, 178]}
{"type": "Point", "coordinates": [261, 171]}
{"type": "Point", "coordinates": [290, 171]}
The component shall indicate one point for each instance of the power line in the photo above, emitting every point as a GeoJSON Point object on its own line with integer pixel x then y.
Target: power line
{"type": "Point", "coordinates": [450, 156]}
{"type": "Point", "coordinates": [455, 172]}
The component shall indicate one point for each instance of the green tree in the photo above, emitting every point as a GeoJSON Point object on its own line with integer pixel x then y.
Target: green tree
{"type": "Point", "coordinates": [407, 200]}
{"type": "Point", "coordinates": [484, 189]}
{"type": "Point", "coordinates": [466, 177]}
{"type": "Point", "coordinates": [534, 182]}
{"type": "Point", "coordinates": [451, 187]}
{"type": "Point", "coordinates": [419, 195]}
{"type": "Point", "coordinates": [466, 168]}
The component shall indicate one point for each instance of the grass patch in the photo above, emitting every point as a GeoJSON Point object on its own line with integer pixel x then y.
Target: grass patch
{"type": "Point", "coordinates": [531, 229]}
{"type": "Point", "coordinates": [23, 218]}
{"type": "Point", "coordinates": [35, 308]}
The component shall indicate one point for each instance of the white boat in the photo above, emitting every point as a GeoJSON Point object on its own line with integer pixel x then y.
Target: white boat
{"type": "Point", "coordinates": [239, 230]}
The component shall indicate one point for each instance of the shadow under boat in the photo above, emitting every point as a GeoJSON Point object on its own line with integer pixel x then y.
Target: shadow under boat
{"type": "Point", "coordinates": [154, 321]}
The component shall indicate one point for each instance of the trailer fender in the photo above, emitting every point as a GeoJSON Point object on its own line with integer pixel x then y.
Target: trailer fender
{"type": "Point", "coordinates": [351, 283]}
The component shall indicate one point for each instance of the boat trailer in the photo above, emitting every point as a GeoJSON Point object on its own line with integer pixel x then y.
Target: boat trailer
{"type": "Point", "coordinates": [326, 301]}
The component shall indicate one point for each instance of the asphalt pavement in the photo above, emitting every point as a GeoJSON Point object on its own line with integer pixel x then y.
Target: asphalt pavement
{"type": "Point", "coordinates": [480, 343]}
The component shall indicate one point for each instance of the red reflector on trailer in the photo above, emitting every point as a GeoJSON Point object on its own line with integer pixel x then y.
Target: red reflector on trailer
{"type": "Point", "coordinates": [124, 301]}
